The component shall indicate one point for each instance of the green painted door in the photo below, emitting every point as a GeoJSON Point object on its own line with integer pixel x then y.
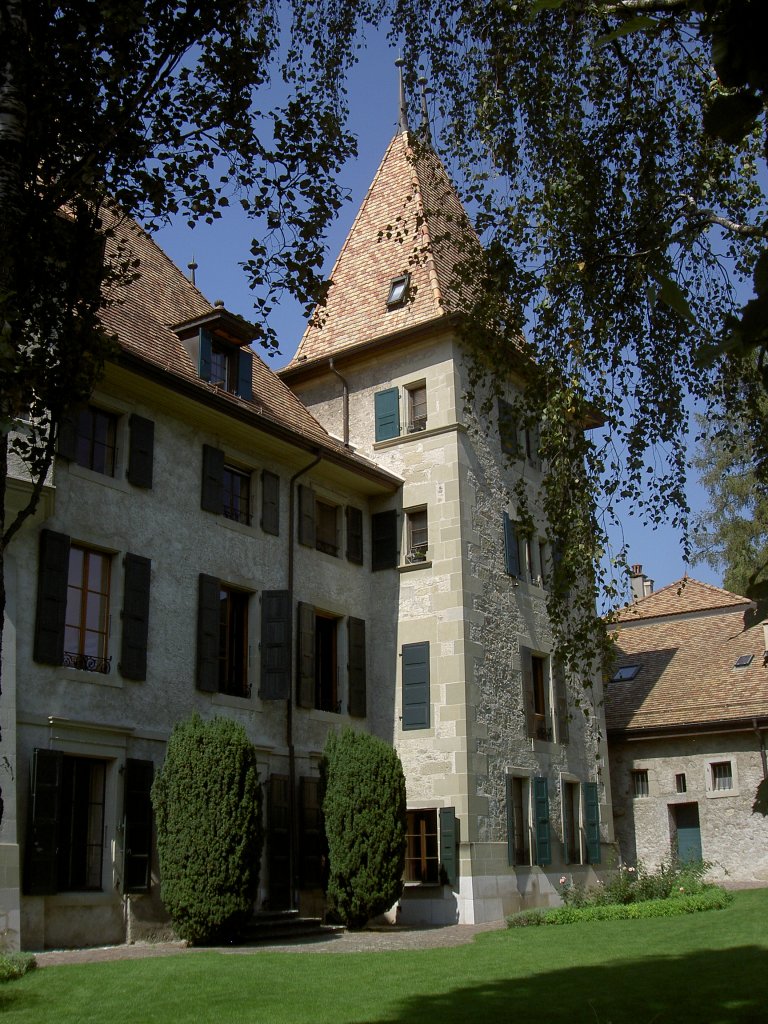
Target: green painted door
{"type": "Point", "coordinates": [688, 831]}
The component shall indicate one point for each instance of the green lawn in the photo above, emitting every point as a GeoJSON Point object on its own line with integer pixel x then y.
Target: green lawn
{"type": "Point", "coordinates": [709, 968]}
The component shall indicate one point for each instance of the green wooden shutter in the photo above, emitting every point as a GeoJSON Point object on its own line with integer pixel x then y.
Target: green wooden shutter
{"type": "Point", "coordinates": [141, 445]}
{"type": "Point", "coordinates": [354, 535]}
{"type": "Point", "coordinates": [66, 437]}
{"type": "Point", "coordinates": [245, 374]}
{"type": "Point", "coordinates": [311, 834]}
{"type": "Point", "coordinates": [306, 516]}
{"type": "Point", "coordinates": [305, 697]}
{"type": "Point", "coordinates": [507, 428]}
{"type": "Point", "coordinates": [212, 493]}
{"type": "Point", "coordinates": [133, 652]}
{"type": "Point", "coordinates": [526, 669]}
{"type": "Point", "coordinates": [279, 842]}
{"type": "Point", "coordinates": [40, 869]}
{"type": "Point", "coordinates": [356, 667]}
{"type": "Point", "coordinates": [592, 821]}
{"type": "Point", "coordinates": [208, 633]}
{"type": "Point", "coordinates": [416, 704]}
{"type": "Point", "coordinates": [270, 502]}
{"type": "Point", "coordinates": [275, 645]}
{"type": "Point", "coordinates": [387, 407]}
{"type": "Point", "coordinates": [510, 808]}
{"type": "Point", "coordinates": [384, 540]}
{"type": "Point", "coordinates": [448, 844]}
{"type": "Point", "coordinates": [137, 825]}
{"type": "Point", "coordinates": [204, 355]}
{"type": "Point", "coordinates": [511, 547]}
{"type": "Point", "coordinates": [561, 701]}
{"type": "Point", "coordinates": [53, 569]}
{"type": "Point", "coordinates": [541, 808]}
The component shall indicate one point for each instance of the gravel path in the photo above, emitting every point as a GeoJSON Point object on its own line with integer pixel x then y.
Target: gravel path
{"type": "Point", "coordinates": [371, 940]}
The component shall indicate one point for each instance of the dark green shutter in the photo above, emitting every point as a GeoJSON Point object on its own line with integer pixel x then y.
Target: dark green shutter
{"type": "Point", "coordinates": [208, 633]}
{"type": "Point", "coordinates": [140, 451]}
{"type": "Point", "coordinates": [561, 701]}
{"type": "Point", "coordinates": [354, 535]}
{"type": "Point", "coordinates": [204, 355]}
{"type": "Point", "coordinates": [356, 667]}
{"type": "Point", "coordinates": [51, 612]}
{"type": "Point", "coordinates": [40, 874]}
{"type": "Point", "coordinates": [541, 808]}
{"type": "Point", "coordinates": [507, 428]}
{"type": "Point", "coordinates": [526, 669]}
{"type": "Point", "coordinates": [416, 705]}
{"type": "Point", "coordinates": [133, 652]}
{"type": "Point", "coordinates": [305, 697]}
{"type": "Point", "coordinates": [66, 438]}
{"type": "Point", "coordinates": [270, 502]}
{"type": "Point", "coordinates": [275, 645]}
{"type": "Point", "coordinates": [511, 547]}
{"type": "Point", "coordinates": [279, 842]}
{"type": "Point", "coordinates": [306, 516]}
{"type": "Point", "coordinates": [448, 844]}
{"type": "Point", "coordinates": [212, 493]}
{"type": "Point", "coordinates": [384, 540]}
{"type": "Point", "coordinates": [311, 834]}
{"type": "Point", "coordinates": [592, 822]}
{"type": "Point", "coordinates": [245, 374]}
{"type": "Point", "coordinates": [387, 406]}
{"type": "Point", "coordinates": [137, 826]}
{"type": "Point", "coordinates": [511, 825]}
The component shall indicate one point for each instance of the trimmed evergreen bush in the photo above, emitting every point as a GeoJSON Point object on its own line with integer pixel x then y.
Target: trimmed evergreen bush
{"type": "Point", "coordinates": [712, 898]}
{"type": "Point", "coordinates": [16, 965]}
{"type": "Point", "coordinates": [207, 803]}
{"type": "Point", "coordinates": [364, 810]}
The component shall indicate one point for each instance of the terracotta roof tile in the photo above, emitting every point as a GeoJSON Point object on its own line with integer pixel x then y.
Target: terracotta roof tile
{"type": "Point", "coordinates": [687, 664]}
{"type": "Point", "coordinates": [411, 220]}
{"type": "Point", "coordinates": [683, 596]}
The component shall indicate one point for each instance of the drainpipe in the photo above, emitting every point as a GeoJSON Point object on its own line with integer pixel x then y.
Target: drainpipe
{"type": "Point", "coordinates": [292, 809]}
{"type": "Point", "coordinates": [344, 401]}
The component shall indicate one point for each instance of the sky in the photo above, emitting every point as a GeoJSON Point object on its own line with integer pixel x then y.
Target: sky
{"type": "Point", "coordinates": [220, 248]}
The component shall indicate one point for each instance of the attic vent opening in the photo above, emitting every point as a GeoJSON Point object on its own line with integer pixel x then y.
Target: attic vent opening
{"type": "Point", "coordinates": [625, 673]}
{"type": "Point", "coordinates": [744, 660]}
{"type": "Point", "coordinates": [398, 291]}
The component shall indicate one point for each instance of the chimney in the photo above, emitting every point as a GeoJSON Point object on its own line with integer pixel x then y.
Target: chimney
{"type": "Point", "coordinates": [647, 586]}
{"type": "Point", "coordinates": [637, 582]}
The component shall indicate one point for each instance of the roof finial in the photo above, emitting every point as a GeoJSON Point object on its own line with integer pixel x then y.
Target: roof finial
{"type": "Point", "coordinates": [402, 122]}
{"type": "Point", "coordinates": [425, 129]}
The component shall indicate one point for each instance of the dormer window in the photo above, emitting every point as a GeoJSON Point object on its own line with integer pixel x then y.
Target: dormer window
{"type": "Point", "coordinates": [398, 291]}
{"type": "Point", "coordinates": [217, 343]}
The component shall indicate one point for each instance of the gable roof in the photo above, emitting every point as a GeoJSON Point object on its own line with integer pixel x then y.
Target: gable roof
{"type": "Point", "coordinates": [411, 221]}
{"type": "Point", "coordinates": [141, 313]}
{"type": "Point", "coordinates": [686, 645]}
{"type": "Point", "coordinates": [682, 597]}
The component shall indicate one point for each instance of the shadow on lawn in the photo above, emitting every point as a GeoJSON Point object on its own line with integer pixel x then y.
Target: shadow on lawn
{"type": "Point", "coordinates": [710, 987]}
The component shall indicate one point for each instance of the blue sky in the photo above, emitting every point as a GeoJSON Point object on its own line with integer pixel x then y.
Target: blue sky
{"type": "Point", "coordinates": [219, 249]}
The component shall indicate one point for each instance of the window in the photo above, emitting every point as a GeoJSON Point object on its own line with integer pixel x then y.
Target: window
{"type": "Point", "coordinates": [398, 291]}
{"type": "Point", "coordinates": [417, 407]}
{"type": "Point", "coordinates": [571, 833]}
{"type": "Point", "coordinates": [543, 570]}
{"type": "Point", "coordinates": [422, 861]}
{"type": "Point", "coordinates": [625, 673]}
{"type": "Point", "coordinates": [313, 848]}
{"type": "Point", "coordinates": [415, 691]}
{"type": "Point", "coordinates": [536, 695]}
{"type": "Point", "coordinates": [417, 540]}
{"type": "Point", "coordinates": [327, 528]}
{"type": "Point", "coordinates": [86, 624]}
{"type": "Point", "coordinates": [640, 782]}
{"type": "Point", "coordinates": [237, 495]}
{"type": "Point", "coordinates": [511, 547]}
{"type": "Point", "coordinates": [65, 842]}
{"type": "Point", "coordinates": [222, 638]}
{"type": "Point", "coordinates": [270, 503]}
{"type": "Point", "coordinates": [227, 366]}
{"type": "Point", "coordinates": [744, 660]}
{"type": "Point", "coordinates": [507, 428]}
{"type": "Point", "coordinates": [541, 820]}
{"type": "Point", "coordinates": [680, 783]}
{"type": "Point", "coordinates": [354, 518]}
{"type": "Point", "coordinates": [722, 775]}
{"type": "Point", "coordinates": [95, 440]}
{"type": "Point", "coordinates": [384, 537]}
{"type": "Point", "coordinates": [233, 642]}
{"type": "Point", "coordinates": [318, 660]}
{"type": "Point", "coordinates": [518, 822]}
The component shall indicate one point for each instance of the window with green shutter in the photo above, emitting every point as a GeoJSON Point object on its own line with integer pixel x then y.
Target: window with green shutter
{"type": "Point", "coordinates": [270, 503]}
{"type": "Point", "coordinates": [275, 645]}
{"type": "Point", "coordinates": [541, 819]}
{"type": "Point", "coordinates": [212, 492]}
{"type": "Point", "coordinates": [50, 617]}
{"type": "Point", "coordinates": [449, 841]}
{"type": "Point", "coordinates": [416, 703]}
{"type": "Point", "coordinates": [384, 540]}
{"type": "Point", "coordinates": [354, 518]}
{"type": "Point", "coordinates": [387, 414]}
{"type": "Point", "coordinates": [356, 667]}
{"type": "Point", "coordinates": [208, 633]}
{"type": "Point", "coordinates": [518, 831]}
{"type": "Point", "coordinates": [135, 615]}
{"type": "Point", "coordinates": [507, 428]}
{"type": "Point", "coordinates": [141, 445]}
{"type": "Point", "coordinates": [312, 844]}
{"type": "Point", "coordinates": [306, 523]}
{"type": "Point", "coordinates": [511, 547]}
{"type": "Point", "coordinates": [592, 821]}
{"type": "Point", "coordinates": [40, 868]}
{"type": "Point", "coordinates": [137, 825]}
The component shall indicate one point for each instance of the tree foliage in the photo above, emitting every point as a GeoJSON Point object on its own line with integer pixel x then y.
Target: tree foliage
{"type": "Point", "coordinates": [364, 811]}
{"type": "Point", "coordinates": [731, 535]}
{"type": "Point", "coordinates": [207, 804]}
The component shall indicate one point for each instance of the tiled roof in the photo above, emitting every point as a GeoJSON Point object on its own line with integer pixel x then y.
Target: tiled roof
{"type": "Point", "coordinates": [684, 596]}
{"type": "Point", "coordinates": [687, 673]}
{"type": "Point", "coordinates": [140, 314]}
{"type": "Point", "coordinates": [411, 220]}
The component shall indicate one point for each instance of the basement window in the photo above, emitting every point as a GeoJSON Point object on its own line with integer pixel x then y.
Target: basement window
{"type": "Point", "coordinates": [398, 291]}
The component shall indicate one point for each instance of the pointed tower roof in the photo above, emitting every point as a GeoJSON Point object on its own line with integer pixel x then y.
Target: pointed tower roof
{"type": "Point", "coordinates": [411, 222]}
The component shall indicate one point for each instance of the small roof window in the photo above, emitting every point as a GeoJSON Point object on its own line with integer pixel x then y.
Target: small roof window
{"type": "Point", "coordinates": [625, 673]}
{"type": "Point", "coordinates": [398, 291]}
{"type": "Point", "coordinates": [744, 660]}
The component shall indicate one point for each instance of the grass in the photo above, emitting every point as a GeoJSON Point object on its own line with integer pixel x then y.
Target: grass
{"type": "Point", "coordinates": [695, 969]}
